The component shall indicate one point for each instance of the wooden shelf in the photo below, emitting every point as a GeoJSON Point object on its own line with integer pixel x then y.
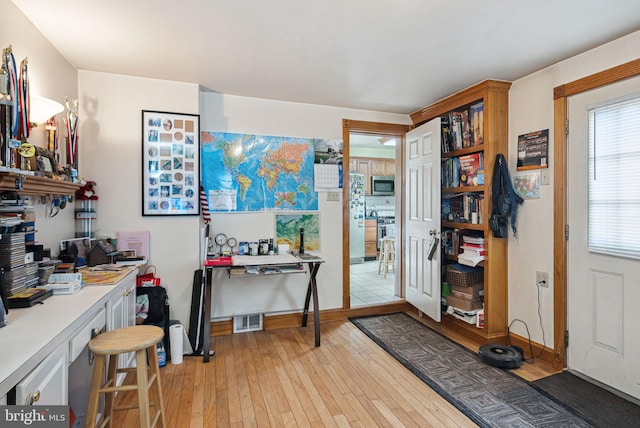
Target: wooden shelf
{"type": "Point", "coordinates": [469, 226]}
{"type": "Point", "coordinates": [462, 152]}
{"type": "Point", "coordinates": [462, 189]}
{"type": "Point", "coordinates": [34, 185]}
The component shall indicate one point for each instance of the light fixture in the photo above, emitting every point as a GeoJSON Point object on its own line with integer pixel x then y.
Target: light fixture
{"type": "Point", "coordinates": [386, 141]}
{"type": "Point", "coordinates": [43, 109]}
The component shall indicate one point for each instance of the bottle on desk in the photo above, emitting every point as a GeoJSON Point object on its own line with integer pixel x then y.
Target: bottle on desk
{"type": "Point", "coordinates": [301, 251]}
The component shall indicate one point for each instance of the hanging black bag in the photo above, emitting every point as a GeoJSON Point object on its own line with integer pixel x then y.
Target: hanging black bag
{"type": "Point", "coordinates": [504, 200]}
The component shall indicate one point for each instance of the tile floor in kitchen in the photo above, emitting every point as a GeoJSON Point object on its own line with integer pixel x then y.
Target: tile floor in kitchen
{"type": "Point", "coordinates": [369, 288]}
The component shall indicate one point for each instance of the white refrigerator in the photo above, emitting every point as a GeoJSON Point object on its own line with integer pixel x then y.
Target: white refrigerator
{"type": "Point", "coordinates": [356, 218]}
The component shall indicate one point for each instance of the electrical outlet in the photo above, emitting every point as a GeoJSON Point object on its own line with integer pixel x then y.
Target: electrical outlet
{"type": "Point", "coordinates": [542, 279]}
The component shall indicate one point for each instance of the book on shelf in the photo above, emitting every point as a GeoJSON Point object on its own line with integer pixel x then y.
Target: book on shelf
{"type": "Point", "coordinates": [473, 239]}
{"type": "Point", "coordinates": [445, 133]}
{"type": "Point", "coordinates": [461, 207]}
{"type": "Point", "coordinates": [473, 251]}
{"type": "Point", "coordinates": [472, 169]}
{"type": "Point", "coordinates": [466, 129]}
{"type": "Point", "coordinates": [467, 259]}
{"type": "Point", "coordinates": [457, 138]}
{"type": "Point", "coordinates": [450, 242]}
{"type": "Point", "coordinates": [450, 176]}
{"type": "Point", "coordinates": [476, 118]}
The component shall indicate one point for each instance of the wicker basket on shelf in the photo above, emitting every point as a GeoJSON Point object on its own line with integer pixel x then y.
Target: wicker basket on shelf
{"type": "Point", "coordinates": [464, 279]}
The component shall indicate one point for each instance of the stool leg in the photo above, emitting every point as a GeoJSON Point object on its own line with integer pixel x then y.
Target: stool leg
{"type": "Point", "coordinates": [112, 376]}
{"type": "Point", "coordinates": [156, 388]}
{"type": "Point", "coordinates": [143, 388]}
{"type": "Point", "coordinates": [386, 259]}
{"type": "Point", "coordinates": [94, 396]}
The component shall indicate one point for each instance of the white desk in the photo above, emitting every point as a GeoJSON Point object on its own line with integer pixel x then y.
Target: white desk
{"type": "Point", "coordinates": [33, 333]}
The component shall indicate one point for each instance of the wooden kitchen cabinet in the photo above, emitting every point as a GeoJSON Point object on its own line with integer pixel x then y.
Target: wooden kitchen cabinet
{"type": "Point", "coordinates": [370, 167]}
{"type": "Point", "coordinates": [391, 166]}
{"type": "Point", "coordinates": [378, 167]}
{"type": "Point", "coordinates": [370, 239]}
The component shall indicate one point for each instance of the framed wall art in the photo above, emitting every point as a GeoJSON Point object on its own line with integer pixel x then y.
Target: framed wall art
{"type": "Point", "coordinates": [170, 163]}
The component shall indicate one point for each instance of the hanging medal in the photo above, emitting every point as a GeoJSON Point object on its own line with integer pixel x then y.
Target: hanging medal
{"type": "Point", "coordinates": [71, 123]}
{"type": "Point", "coordinates": [23, 101]}
{"type": "Point", "coordinates": [9, 64]}
{"type": "Point", "coordinates": [52, 134]}
{"type": "Point", "coordinates": [12, 91]}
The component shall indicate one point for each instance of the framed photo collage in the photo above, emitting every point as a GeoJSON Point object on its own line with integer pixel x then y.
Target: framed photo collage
{"type": "Point", "coordinates": [170, 163]}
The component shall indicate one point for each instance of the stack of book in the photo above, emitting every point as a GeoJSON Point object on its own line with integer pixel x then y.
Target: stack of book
{"type": "Point", "coordinates": [472, 250]}
{"type": "Point", "coordinates": [12, 253]}
{"type": "Point", "coordinates": [463, 128]}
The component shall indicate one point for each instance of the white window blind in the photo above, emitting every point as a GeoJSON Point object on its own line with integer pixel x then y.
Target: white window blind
{"type": "Point", "coordinates": [614, 178]}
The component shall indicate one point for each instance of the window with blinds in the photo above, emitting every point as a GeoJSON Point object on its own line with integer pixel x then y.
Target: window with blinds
{"type": "Point", "coordinates": [614, 178]}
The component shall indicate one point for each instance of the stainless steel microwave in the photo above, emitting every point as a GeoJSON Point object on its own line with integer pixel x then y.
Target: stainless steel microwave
{"type": "Point", "coordinates": [383, 185]}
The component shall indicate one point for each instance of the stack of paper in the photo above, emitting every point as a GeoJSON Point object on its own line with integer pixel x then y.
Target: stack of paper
{"type": "Point", "coordinates": [473, 250]}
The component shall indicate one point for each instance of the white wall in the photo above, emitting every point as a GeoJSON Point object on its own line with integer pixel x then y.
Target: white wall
{"type": "Point", "coordinates": [531, 109]}
{"type": "Point", "coordinates": [226, 113]}
{"type": "Point", "coordinates": [51, 76]}
{"type": "Point", "coordinates": [111, 154]}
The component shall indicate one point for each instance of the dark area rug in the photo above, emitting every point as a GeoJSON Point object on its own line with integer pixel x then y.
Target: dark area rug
{"type": "Point", "coordinates": [596, 405]}
{"type": "Point", "coordinates": [489, 396]}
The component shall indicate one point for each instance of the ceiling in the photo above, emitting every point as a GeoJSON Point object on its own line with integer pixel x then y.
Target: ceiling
{"type": "Point", "coordinates": [392, 56]}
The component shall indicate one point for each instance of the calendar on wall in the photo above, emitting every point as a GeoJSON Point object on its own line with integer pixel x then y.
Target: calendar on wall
{"type": "Point", "coordinates": [327, 168]}
{"type": "Point", "coordinates": [327, 177]}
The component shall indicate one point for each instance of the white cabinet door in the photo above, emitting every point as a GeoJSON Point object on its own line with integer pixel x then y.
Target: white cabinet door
{"type": "Point", "coordinates": [129, 303]}
{"type": "Point", "coordinates": [121, 313]}
{"type": "Point", "coordinates": [47, 384]}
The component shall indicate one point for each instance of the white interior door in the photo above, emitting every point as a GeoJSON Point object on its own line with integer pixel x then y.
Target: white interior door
{"type": "Point", "coordinates": [603, 291]}
{"type": "Point", "coordinates": [422, 218]}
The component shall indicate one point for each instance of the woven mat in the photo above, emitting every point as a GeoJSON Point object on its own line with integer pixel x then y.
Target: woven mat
{"type": "Point", "coordinates": [489, 396]}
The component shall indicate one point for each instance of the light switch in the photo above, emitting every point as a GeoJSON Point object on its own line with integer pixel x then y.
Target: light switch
{"type": "Point", "coordinates": [545, 177]}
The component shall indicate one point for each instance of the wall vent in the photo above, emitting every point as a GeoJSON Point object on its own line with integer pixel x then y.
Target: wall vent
{"type": "Point", "coordinates": [247, 322]}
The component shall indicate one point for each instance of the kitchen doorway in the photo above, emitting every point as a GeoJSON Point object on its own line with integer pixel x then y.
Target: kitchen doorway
{"type": "Point", "coordinates": [372, 276]}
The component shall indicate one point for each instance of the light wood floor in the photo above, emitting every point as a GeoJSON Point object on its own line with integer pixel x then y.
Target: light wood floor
{"type": "Point", "coordinates": [278, 378]}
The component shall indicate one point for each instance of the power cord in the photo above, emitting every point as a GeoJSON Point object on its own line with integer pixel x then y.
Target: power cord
{"type": "Point", "coordinates": [532, 359]}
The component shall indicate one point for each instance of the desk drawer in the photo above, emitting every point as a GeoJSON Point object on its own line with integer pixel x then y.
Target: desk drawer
{"type": "Point", "coordinates": [82, 337]}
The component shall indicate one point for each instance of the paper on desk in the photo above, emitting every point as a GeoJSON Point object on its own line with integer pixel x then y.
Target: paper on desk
{"type": "Point", "coordinates": [276, 259]}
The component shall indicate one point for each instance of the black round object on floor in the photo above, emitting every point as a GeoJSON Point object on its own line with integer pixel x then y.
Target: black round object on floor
{"type": "Point", "coordinates": [501, 356]}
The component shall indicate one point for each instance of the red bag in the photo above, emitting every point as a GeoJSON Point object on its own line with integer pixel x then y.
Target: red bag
{"type": "Point", "coordinates": [148, 278]}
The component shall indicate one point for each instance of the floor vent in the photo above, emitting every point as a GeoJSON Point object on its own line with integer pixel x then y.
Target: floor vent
{"type": "Point", "coordinates": [248, 322]}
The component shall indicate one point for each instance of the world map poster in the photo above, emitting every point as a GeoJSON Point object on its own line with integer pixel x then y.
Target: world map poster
{"type": "Point", "coordinates": [242, 172]}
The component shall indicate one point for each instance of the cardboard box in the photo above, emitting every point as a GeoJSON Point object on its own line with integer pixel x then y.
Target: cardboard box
{"type": "Point", "coordinates": [64, 283]}
{"type": "Point", "coordinates": [464, 304]}
{"type": "Point", "coordinates": [468, 293]}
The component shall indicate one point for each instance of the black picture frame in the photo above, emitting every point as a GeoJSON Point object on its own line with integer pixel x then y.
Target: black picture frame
{"type": "Point", "coordinates": [170, 163]}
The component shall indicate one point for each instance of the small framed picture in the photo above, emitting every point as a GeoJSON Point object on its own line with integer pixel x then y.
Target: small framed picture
{"type": "Point", "coordinates": [128, 252]}
{"type": "Point", "coordinates": [170, 163]}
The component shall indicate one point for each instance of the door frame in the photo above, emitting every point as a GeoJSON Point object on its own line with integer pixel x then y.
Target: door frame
{"type": "Point", "coordinates": [378, 128]}
{"type": "Point", "coordinates": [560, 220]}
